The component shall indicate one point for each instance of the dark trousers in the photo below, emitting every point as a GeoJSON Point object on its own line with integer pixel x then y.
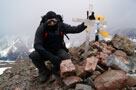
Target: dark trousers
{"type": "Point", "coordinates": [39, 61]}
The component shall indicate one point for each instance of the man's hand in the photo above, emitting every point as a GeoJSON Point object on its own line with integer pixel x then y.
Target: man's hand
{"type": "Point", "coordinates": [55, 60]}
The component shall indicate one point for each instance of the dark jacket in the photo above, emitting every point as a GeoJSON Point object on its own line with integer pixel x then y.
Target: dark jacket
{"type": "Point", "coordinates": [50, 40]}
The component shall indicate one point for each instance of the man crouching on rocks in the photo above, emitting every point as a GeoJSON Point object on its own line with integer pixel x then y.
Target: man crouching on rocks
{"type": "Point", "coordinates": [49, 44]}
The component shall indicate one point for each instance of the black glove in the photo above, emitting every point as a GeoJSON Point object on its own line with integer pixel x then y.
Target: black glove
{"type": "Point", "coordinates": [55, 60]}
{"type": "Point", "coordinates": [83, 26]}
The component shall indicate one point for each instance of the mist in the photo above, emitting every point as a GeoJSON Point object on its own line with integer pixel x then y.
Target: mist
{"type": "Point", "coordinates": [22, 17]}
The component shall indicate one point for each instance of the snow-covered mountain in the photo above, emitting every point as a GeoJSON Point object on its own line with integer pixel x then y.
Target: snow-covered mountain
{"type": "Point", "coordinates": [130, 32]}
{"type": "Point", "coordinates": [15, 49]}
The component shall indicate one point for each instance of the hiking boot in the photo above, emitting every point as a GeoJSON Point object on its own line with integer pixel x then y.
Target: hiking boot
{"type": "Point", "coordinates": [44, 76]}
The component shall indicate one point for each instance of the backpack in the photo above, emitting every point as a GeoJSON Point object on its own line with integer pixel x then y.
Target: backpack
{"type": "Point", "coordinates": [60, 33]}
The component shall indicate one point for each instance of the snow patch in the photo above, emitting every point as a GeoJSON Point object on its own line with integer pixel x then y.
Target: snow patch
{"type": "Point", "coordinates": [31, 50]}
{"type": "Point", "coordinates": [3, 69]}
{"type": "Point", "coordinates": [7, 61]}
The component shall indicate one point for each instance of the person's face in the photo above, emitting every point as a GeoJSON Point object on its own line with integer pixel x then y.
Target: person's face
{"type": "Point", "coordinates": [52, 22]}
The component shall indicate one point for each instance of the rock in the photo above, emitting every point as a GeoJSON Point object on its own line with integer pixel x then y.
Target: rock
{"type": "Point", "coordinates": [133, 88]}
{"type": "Point", "coordinates": [132, 63]}
{"type": "Point", "coordinates": [91, 64]}
{"type": "Point", "coordinates": [92, 52]}
{"type": "Point", "coordinates": [95, 74]}
{"type": "Point", "coordinates": [102, 57]}
{"type": "Point", "coordinates": [123, 43]}
{"type": "Point", "coordinates": [23, 74]}
{"type": "Point", "coordinates": [75, 53]}
{"type": "Point", "coordinates": [83, 87]}
{"type": "Point", "coordinates": [89, 81]}
{"type": "Point", "coordinates": [80, 71]}
{"type": "Point", "coordinates": [120, 53]}
{"type": "Point", "coordinates": [131, 81]}
{"type": "Point", "coordinates": [105, 48]}
{"type": "Point", "coordinates": [56, 85]}
{"type": "Point", "coordinates": [111, 80]}
{"type": "Point", "coordinates": [17, 88]}
{"type": "Point", "coordinates": [116, 63]}
{"type": "Point", "coordinates": [122, 56]}
{"type": "Point", "coordinates": [71, 81]}
{"type": "Point", "coordinates": [67, 68]}
{"type": "Point", "coordinates": [110, 47]}
{"type": "Point", "coordinates": [106, 51]}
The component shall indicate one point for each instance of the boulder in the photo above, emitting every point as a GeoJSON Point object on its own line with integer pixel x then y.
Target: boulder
{"type": "Point", "coordinates": [122, 56]}
{"type": "Point", "coordinates": [131, 81]}
{"type": "Point", "coordinates": [111, 80]}
{"type": "Point", "coordinates": [80, 71]}
{"type": "Point", "coordinates": [132, 63]}
{"type": "Point", "coordinates": [102, 57]}
{"type": "Point", "coordinates": [111, 48]}
{"type": "Point", "coordinates": [91, 64]}
{"type": "Point", "coordinates": [123, 43]}
{"type": "Point", "coordinates": [67, 68]}
{"type": "Point", "coordinates": [116, 63]}
{"type": "Point", "coordinates": [71, 81]}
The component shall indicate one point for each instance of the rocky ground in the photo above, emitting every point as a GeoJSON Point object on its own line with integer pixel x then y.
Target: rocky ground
{"type": "Point", "coordinates": [108, 66]}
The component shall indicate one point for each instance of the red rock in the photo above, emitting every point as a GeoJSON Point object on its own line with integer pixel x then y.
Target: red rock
{"type": "Point", "coordinates": [106, 51]}
{"type": "Point", "coordinates": [109, 47]}
{"type": "Point", "coordinates": [102, 57]}
{"type": "Point", "coordinates": [122, 55]}
{"type": "Point", "coordinates": [97, 44]}
{"type": "Point", "coordinates": [111, 80]}
{"type": "Point", "coordinates": [72, 80]}
{"type": "Point", "coordinates": [80, 71]}
{"type": "Point", "coordinates": [67, 68]}
{"type": "Point", "coordinates": [91, 64]}
{"type": "Point", "coordinates": [131, 81]}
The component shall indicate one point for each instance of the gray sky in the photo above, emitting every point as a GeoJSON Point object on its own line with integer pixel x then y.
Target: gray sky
{"type": "Point", "coordinates": [23, 16]}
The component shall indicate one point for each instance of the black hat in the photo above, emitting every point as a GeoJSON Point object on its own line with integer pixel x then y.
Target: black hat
{"type": "Point", "coordinates": [51, 15]}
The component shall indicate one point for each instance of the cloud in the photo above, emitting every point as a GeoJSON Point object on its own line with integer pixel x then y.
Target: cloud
{"type": "Point", "coordinates": [23, 16]}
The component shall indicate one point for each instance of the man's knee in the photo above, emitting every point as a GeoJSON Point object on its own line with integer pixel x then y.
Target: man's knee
{"type": "Point", "coordinates": [34, 55]}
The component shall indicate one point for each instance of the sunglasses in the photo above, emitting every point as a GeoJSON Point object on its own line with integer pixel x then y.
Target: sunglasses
{"type": "Point", "coordinates": [52, 20]}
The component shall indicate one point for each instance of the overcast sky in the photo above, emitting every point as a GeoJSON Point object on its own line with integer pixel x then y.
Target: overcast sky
{"type": "Point", "coordinates": [23, 16]}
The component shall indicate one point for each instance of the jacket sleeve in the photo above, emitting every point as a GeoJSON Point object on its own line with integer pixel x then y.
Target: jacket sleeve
{"type": "Point", "coordinates": [38, 43]}
{"type": "Point", "coordinates": [73, 29]}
